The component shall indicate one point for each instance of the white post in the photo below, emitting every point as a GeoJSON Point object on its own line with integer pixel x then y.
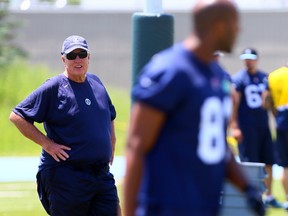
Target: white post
{"type": "Point", "coordinates": [153, 6]}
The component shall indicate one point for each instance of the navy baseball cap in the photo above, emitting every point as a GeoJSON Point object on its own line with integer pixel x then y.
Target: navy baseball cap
{"type": "Point", "coordinates": [74, 42]}
{"type": "Point", "coordinates": [249, 53]}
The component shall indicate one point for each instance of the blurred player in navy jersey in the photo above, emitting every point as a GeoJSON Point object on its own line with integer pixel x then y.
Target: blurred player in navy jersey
{"type": "Point", "coordinates": [275, 98]}
{"type": "Point", "coordinates": [252, 120]}
{"type": "Point", "coordinates": [177, 155]}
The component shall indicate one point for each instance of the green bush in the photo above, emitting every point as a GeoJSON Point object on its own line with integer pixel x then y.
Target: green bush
{"type": "Point", "coordinates": [16, 82]}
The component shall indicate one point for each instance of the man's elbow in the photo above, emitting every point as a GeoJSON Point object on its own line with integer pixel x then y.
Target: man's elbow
{"type": "Point", "coordinates": [13, 117]}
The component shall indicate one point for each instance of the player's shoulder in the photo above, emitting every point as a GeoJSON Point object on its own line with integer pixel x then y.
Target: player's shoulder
{"type": "Point", "coordinates": [162, 66]}
{"type": "Point", "coordinates": [262, 73]}
{"type": "Point", "coordinates": [241, 72]}
{"type": "Point", "coordinates": [282, 71]}
{"type": "Point", "coordinates": [280, 75]}
{"type": "Point", "coordinates": [93, 79]}
{"type": "Point", "coordinates": [50, 85]}
{"type": "Point", "coordinates": [240, 75]}
{"type": "Point", "coordinates": [54, 81]}
{"type": "Point", "coordinates": [92, 76]}
{"type": "Point", "coordinates": [172, 57]}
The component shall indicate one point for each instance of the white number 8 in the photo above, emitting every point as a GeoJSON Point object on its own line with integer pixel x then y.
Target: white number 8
{"type": "Point", "coordinates": [211, 138]}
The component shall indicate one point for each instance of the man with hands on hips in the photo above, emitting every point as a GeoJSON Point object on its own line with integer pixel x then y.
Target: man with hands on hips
{"type": "Point", "coordinates": [73, 177]}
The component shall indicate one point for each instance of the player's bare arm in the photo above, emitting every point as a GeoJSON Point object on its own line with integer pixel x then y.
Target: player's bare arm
{"type": "Point", "coordinates": [57, 151]}
{"type": "Point", "coordinates": [235, 174]}
{"type": "Point", "coordinates": [145, 126]}
{"type": "Point", "coordinates": [113, 141]}
{"type": "Point", "coordinates": [233, 124]}
{"type": "Point", "coordinates": [267, 102]}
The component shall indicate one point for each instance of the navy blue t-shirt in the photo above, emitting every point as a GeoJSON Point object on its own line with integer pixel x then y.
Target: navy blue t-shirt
{"type": "Point", "coordinates": [186, 167]}
{"type": "Point", "coordinates": [250, 107]}
{"type": "Point", "coordinates": [77, 115]}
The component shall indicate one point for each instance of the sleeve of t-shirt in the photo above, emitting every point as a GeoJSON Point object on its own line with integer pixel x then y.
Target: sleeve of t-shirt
{"type": "Point", "coordinates": [111, 106]}
{"type": "Point", "coordinates": [34, 108]}
{"type": "Point", "coordinates": [112, 109]}
{"type": "Point", "coordinates": [162, 89]}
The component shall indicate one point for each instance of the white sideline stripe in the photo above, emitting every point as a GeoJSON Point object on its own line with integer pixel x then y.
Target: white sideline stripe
{"type": "Point", "coordinates": [25, 168]}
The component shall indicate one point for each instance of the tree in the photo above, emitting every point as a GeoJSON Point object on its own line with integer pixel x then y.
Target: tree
{"type": "Point", "coordinates": [8, 49]}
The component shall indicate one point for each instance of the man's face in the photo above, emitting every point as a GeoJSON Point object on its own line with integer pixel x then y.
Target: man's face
{"type": "Point", "coordinates": [230, 36]}
{"type": "Point", "coordinates": [78, 66]}
{"type": "Point", "coordinates": [251, 65]}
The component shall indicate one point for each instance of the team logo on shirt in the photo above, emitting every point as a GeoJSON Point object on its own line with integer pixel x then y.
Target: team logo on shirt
{"type": "Point", "coordinates": [88, 101]}
{"type": "Point", "coordinates": [256, 80]}
{"type": "Point", "coordinates": [226, 86]}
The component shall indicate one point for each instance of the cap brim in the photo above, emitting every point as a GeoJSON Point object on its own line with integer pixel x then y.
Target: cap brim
{"type": "Point", "coordinates": [73, 48]}
{"type": "Point", "coordinates": [248, 56]}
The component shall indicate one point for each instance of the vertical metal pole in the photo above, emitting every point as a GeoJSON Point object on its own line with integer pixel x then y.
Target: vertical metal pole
{"type": "Point", "coordinates": [152, 31]}
{"type": "Point", "coordinates": [153, 6]}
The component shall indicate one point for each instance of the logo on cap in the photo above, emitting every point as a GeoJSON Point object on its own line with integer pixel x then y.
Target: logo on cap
{"type": "Point", "coordinates": [74, 42]}
{"type": "Point", "coordinates": [249, 53]}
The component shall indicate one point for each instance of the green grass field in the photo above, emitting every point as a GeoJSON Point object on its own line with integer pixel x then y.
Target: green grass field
{"type": "Point", "coordinates": [20, 198]}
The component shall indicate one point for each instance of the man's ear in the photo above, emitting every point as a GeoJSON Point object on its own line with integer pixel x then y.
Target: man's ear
{"type": "Point", "coordinates": [63, 59]}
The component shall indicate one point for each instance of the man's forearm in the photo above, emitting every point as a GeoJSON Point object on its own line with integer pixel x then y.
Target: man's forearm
{"type": "Point", "coordinates": [235, 174]}
{"type": "Point", "coordinates": [29, 130]}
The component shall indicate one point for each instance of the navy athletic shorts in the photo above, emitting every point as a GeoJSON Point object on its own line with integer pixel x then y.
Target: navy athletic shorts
{"type": "Point", "coordinates": [77, 191]}
{"type": "Point", "coordinates": [282, 148]}
{"type": "Point", "coordinates": [257, 145]}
